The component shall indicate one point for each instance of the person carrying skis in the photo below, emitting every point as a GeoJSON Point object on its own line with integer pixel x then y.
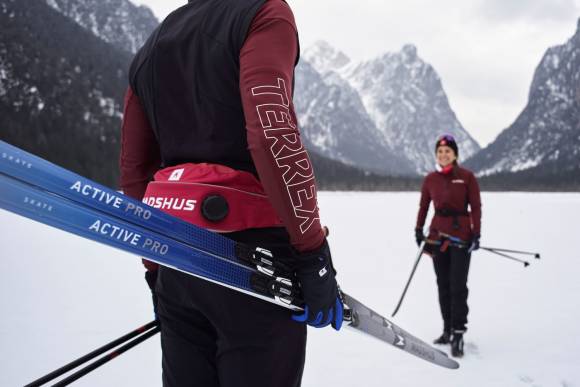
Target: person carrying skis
{"type": "Point", "coordinates": [210, 135]}
{"type": "Point", "coordinates": [454, 233]}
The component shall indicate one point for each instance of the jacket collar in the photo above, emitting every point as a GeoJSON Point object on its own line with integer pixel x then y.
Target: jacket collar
{"type": "Point", "coordinates": [445, 170]}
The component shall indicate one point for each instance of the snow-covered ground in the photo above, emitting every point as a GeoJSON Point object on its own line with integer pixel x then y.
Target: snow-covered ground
{"type": "Point", "coordinates": [62, 296]}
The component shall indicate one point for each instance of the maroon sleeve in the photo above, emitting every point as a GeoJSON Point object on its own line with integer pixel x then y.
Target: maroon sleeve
{"type": "Point", "coordinates": [474, 199]}
{"type": "Point", "coordinates": [266, 80]}
{"type": "Point", "coordinates": [423, 205]}
{"type": "Point", "coordinates": [139, 159]}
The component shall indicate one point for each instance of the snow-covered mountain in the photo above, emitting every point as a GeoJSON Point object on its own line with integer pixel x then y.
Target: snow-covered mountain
{"type": "Point", "coordinates": [62, 85]}
{"type": "Point", "coordinates": [119, 22]}
{"type": "Point", "coordinates": [61, 89]}
{"type": "Point", "coordinates": [545, 137]}
{"type": "Point", "coordinates": [334, 123]}
{"type": "Point", "coordinates": [403, 98]}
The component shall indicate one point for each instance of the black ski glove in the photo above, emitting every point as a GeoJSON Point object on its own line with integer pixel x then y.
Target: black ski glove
{"type": "Point", "coordinates": [419, 237]}
{"type": "Point", "coordinates": [474, 243]}
{"type": "Point", "coordinates": [151, 279]}
{"type": "Point", "coordinates": [316, 274]}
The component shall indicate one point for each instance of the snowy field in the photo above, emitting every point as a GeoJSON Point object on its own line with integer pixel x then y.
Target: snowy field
{"type": "Point", "coordinates": [62, 296]}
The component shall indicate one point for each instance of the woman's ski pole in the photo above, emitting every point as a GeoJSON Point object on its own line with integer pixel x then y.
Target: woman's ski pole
{"type": "Point", "coordinates": [536, 255]}
{"type": "Point", "coordinates": [419, 254]}
{"type": "Point", "coordinates": [99, 351]}
{"type": "Point", "coordinates": [526, 263]}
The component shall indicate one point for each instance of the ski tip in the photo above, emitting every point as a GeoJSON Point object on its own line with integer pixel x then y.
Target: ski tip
{"type": "Point", "coordinates": [453, 365]}
{"type": "Point", "coordinates": [537, 256]}
{"type": "Point", "coordinates": [447, 362]}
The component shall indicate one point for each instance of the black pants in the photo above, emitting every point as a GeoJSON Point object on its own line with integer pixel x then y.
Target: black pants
{"type": "Point", "coordinates": [213, 336]}
{"type": "Point", "coordinates": [452, 268]}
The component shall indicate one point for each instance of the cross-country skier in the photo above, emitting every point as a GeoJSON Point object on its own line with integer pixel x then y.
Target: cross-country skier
{"type": "Point", "coordinates": [210, 135]}
{"type": "Point", "coordinates": [452, 189]}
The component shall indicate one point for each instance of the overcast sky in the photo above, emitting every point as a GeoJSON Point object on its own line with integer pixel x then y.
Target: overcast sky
{"type": "Point", "coordinates": [485, 51]}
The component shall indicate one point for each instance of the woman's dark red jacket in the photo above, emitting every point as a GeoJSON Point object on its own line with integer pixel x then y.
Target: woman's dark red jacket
{"type": "Point", "coordinates": [451, 193]}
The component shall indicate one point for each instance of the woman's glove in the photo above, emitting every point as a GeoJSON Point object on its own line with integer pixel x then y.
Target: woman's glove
{"type": "Point", "coordinates": [474, 243]}
{"type": "Point", "coordinates": [419, 237]}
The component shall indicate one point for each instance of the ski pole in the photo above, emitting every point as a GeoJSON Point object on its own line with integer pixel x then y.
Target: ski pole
{"type": "Point", "coordinates": [536, 255]}
{"type": "Point", "coordinates": [526, 263]}
{"type": "Point", "coordinates": [419, 254]}
{"type": "Point", "coordinates": [99, 351]}
{"type": "Point", "coordinates": [110, 356]}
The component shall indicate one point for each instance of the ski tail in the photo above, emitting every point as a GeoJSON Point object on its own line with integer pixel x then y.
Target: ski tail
{"type": "Point", "coordinates": [366, 320]}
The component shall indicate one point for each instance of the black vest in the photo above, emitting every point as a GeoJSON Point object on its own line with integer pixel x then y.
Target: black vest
{"type": "Point", "coordinates": [187, 78]}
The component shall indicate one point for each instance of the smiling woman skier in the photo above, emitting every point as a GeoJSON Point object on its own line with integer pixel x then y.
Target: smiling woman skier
{"type": "Point", "coordinates": [454, 233]}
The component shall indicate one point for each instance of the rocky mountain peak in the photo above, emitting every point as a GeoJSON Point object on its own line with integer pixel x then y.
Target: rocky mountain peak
{"type": "Point", "coordinates": [409, 52]}
{"type": "Point", "coordinates": [405, 98]}
{"type": "Point", "coordinates": [546, 135]}
{"type": "Point", "coordinates": [396, 100]}
{"type": "Point", "coordinates": [576, 36]}
{"type": "Point", "coordinates": [324, 57]}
